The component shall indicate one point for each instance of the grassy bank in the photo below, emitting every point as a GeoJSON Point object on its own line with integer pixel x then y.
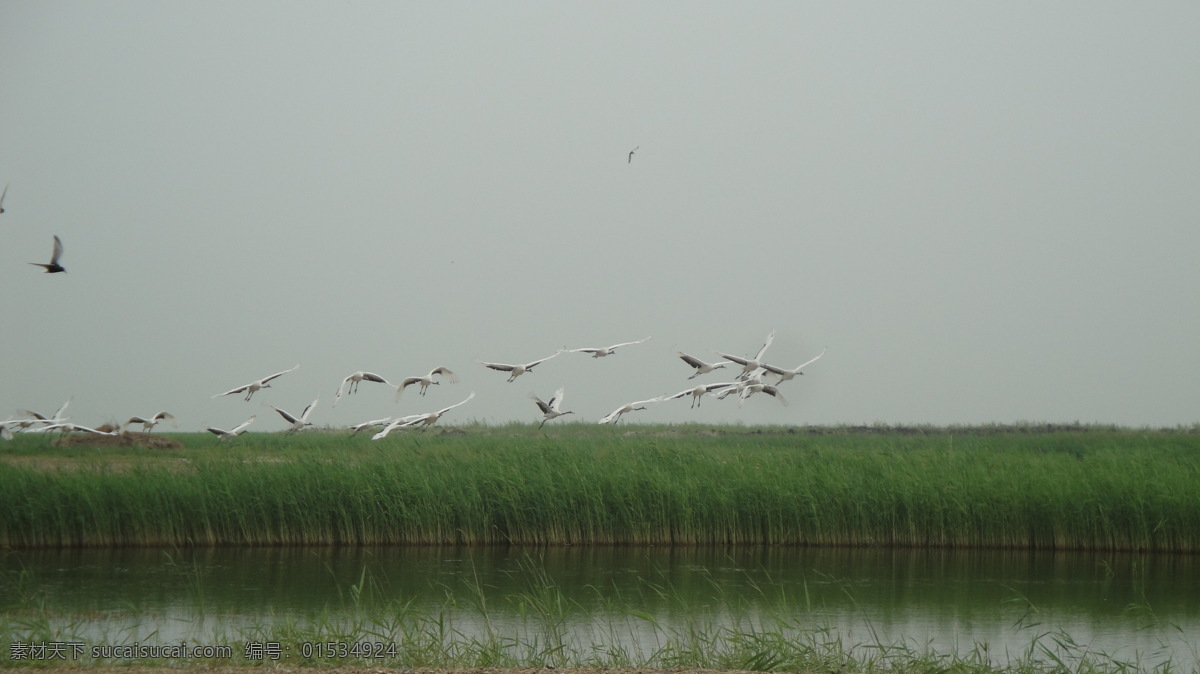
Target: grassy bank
{"type": "Point", "coordinates": [1080, 487]}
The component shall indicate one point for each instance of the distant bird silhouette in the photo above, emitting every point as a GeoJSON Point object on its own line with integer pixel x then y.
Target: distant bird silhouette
{"type": "Point", "coordinates": [54, 267]}
{"type": "Point", "coordinates": [631, 154]}
{"type": "Point", "coordinates": [2, 195]}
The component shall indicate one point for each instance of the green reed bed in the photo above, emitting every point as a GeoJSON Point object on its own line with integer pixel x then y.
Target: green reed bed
{"type": "Point", "coordinates": [576, 484]}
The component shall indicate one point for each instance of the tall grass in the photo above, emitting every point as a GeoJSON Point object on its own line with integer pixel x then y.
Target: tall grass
{"type": "Point", "coordinates": [1110, 489]}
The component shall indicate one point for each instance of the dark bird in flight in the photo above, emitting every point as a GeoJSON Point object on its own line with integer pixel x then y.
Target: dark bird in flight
{"type": "Point", "coordinates": [631, 154]}
{"type": "Point", "coordinates": [2, 195]}
{"type": "Point", "coordinates": [54, 266]}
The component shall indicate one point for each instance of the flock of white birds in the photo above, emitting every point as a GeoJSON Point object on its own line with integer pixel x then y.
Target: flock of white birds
{"type": "Point", "coordinates": [753, 375]}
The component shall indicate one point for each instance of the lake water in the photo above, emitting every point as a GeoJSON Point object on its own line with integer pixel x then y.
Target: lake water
{"type": "Point", "coordinates": [1129, 607]}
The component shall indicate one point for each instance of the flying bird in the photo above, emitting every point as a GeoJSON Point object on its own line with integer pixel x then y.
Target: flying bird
{"type": "Point", "coordinates": [515, 371]}
{"type": "Point", "coordinates": [298, 423]}
{"type": "Point", "coordinates": [34, 417]}
{"type": "Point", "coordinates": [701, 366]}
{"type": "Point", "coordinates": [747, 388]}
{"type": "Point", "coordinates": [615, 415]}
{"type": "Point", "coordinates": [368, 424]}
{"type": "Point", "coordinates": [354, 380]}
{"type": "Point", "coordinates": [750, 365]}
{"type": "Point", "coordinates": [67, 427]}
{"type": "Point", "coordinates": [231, 434]}
{"type": "Point", "coordinates": [390, 425]}
{"type": "Point", "coordinates": [700, 391]}
{"type": "Point", "coordinates": [552, 409]}
{"type": "Point", "coordinates": [148, 423]}
{"type": "Point", "coordinates": [4, 194]}
{"type": "Point", "coordinates": [785, 375]}
{"type": "Point", "coordinates": [54, 267]}
{"type": "Point", "coordinates": [605, 350]}
{"type": "Point", "coordinates": [255, 386]}
{"type": "Point", "coordinates": [631, 154]}
{"type": "Point", "coordinates": [427, 380]}
{"type": "Point", "coordinates": [422, 420]}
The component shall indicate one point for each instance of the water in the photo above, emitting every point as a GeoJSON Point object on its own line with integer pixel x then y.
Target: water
{"type": "Point", "coordinates": [1134, 607]}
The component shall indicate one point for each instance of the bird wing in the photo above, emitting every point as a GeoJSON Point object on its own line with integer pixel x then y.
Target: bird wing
{"type": "Point", "coordinates": [371, 376]}
{"type": "Point", "coordinates": [285, 414]}
{"type": "Point", "coordinates": [529, 365]}
{"type": "Point", "coordinates": [443, 411]}
{"type": "Point", "coordinates": [556, 399]}
{"type": "Point", "coordinates": [232, 391]}
{"type": "Point", "coordinates": [737, 359]}
{"type": "Point", "coordinates": [810, 362]}
{"type": "Point", "coordinates": [611, 415]}
{"type": "Point", "coordinates": [583, 350]}
{"type": "Point", "coordinates": [241, 427]}
{"type": "Point", "coordinates": [499, 366]}
{"type": "Point", "coordinates": [214, 430]}
{"type": "Point", "coordinates": [615, 346]}
{"type": "Point", "coordinates": [58, 250]}
{"type": "Point", "coordinates": [308, 410]}
{"type": "Point", "coordinates": [278, 374]}
{"type": "Point", "coordinates": [691, 360]}
{"type": "Point", "coordinates": [445, 372]}
{"type": "Point", "coordinates": [541, 405]}
{"type": "Point", "coordinates": [2, 197]}
{"type": "Point", "coordinates": [770, 338]}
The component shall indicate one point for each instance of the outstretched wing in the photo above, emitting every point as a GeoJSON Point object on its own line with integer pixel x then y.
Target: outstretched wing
{"type": "Point", "coordinates": [279, 374]}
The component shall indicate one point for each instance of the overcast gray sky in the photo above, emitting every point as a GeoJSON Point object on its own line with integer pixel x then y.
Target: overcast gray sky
{"type": "Point", "coordinates": [988, 212]}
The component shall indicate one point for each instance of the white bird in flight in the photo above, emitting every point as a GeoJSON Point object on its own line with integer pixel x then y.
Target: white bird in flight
{"type": "Point", "coordinates": [231, 434]}
{"type": "Point", "coordinates": [368, 424]}
{"type": "Point", "coordinates": [615, 415]}
{"type": "Point", "coordinates": [700, 391]}
{"type": "Point", "coordinates": [422, 420]}
{"type": "Point", "coordinates": [354, 380]}
{"type": "Point", "coordinates": [67, 427]}
{"type": "Point", "coordinates": [750, 365]}
{"type": "Point", "coordinates": [552, 409]}
{"type": "Point", "coordinates": [603, 351]}
{"type": "Point", "coordinates": [701, 366]}
{"type": "Point", "coordinates": [427, 380]}
{"type": "Point", "coordinates": [747, 388]}
{"type": "Point", "coordinates": [148, 423]}
{"type": "Point", "coordinates": [300, 422]}
{"type": "Point", "coordinates": [515, 371]}
{"type": "Point", "coordinates": [252, 387]}
{"type": "Point", "coordinates": [54, 267]}
{"type": "Point", "coordinates": [57, 418]}
{"type": "Point", "coordinates": [785, 375]}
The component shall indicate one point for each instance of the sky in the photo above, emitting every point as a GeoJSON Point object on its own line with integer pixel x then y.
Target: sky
{"type": "Point", "coordinates": [986, 212]}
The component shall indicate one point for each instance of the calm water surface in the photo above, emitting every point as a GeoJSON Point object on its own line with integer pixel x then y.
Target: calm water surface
{"type": "Point", "coordinates": [1143, 607]}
